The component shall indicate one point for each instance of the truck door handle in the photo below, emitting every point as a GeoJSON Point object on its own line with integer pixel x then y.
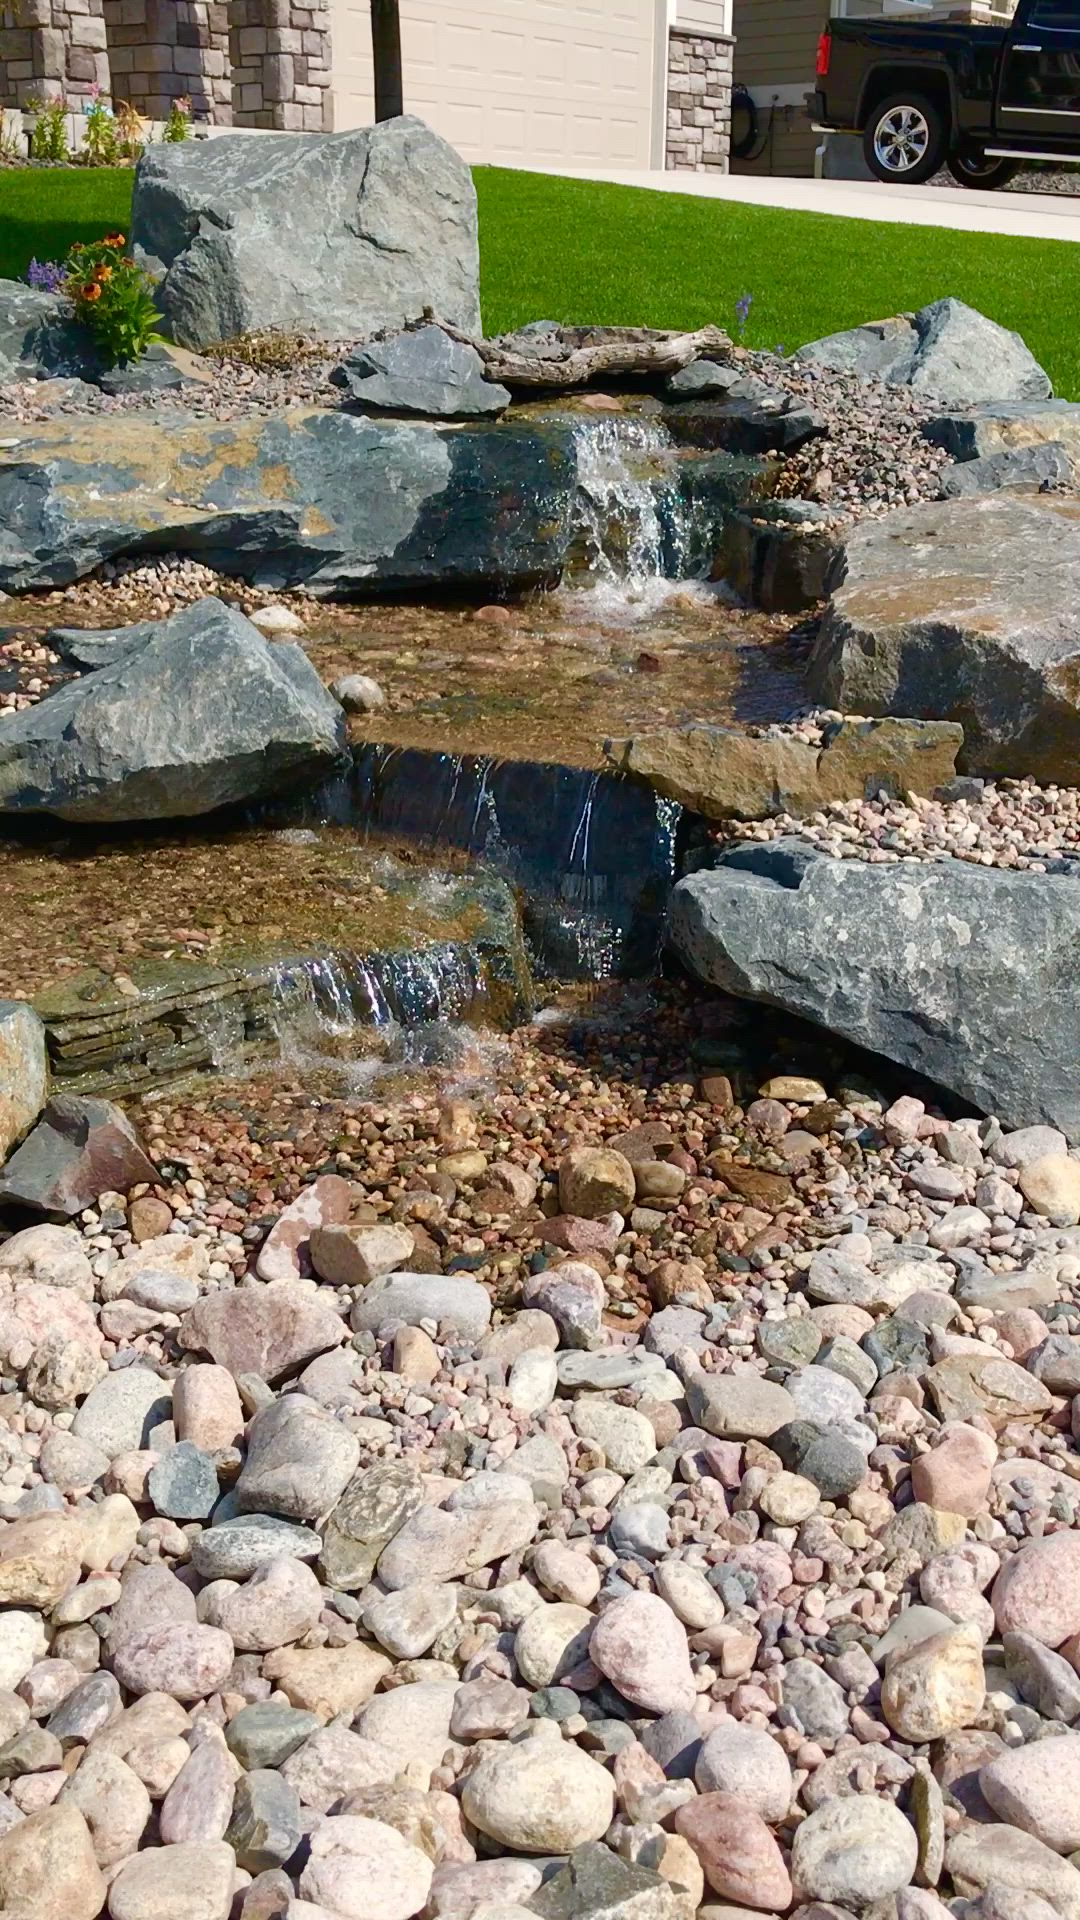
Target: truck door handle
{"type": "Point", "coordinates": [1026, 48]}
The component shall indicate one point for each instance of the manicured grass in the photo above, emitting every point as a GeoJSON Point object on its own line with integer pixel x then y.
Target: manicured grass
{"type": "Point", "coordinates": [43, 213]}
{"type": "Point", "coordinates": [576, 250]}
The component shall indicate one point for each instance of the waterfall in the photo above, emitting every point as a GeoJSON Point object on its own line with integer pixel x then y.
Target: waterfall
{"type": "Point", "coordinates": [637, 527]}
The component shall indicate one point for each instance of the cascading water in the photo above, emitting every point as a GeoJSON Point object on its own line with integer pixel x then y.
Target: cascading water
{"type": "Point", "coordinates": [638, 528]}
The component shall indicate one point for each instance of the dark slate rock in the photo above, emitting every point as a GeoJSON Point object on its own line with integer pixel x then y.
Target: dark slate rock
{"type": "Point", "coordinates": [422, 371]}
{"type": "Point", "coordinates": [267, 1732]}
{"type": "Point", "coordinates": [183, 1485]}
{"type": "Point", "coordinates": [674, 1742]}
{"type": "Point", "coordinates": [897, 1344]}
{"type": "Point", "coordinates": [80, 1147]}
{"type": "Point", "coordinates": [963, 610]}
{"type": "Point", "coordinates": [965, 974]}
{"type": "Point", "coordinates": [39, 340]}
{"type": "Point", "coordinates": [88, 648]}
{"type": "Point", "coordinates": [711, 377]}
{"type": "Point", "coordinates": [156, 372]}
{"type": "Point", "coordinates": [86, 1709]}
{"type": "Point", "coordinates": [947, 350]}
{"type": "Point", "coordinates": [337, 234]}
{"type": "Point", "coordinates": [205, 713]}
{"type": "Point", "coordinates": [976, 433]}
{"type": "Point", "coordinates": [267, 1823]}
{"type": "Point", "coordinates": [1017, 469]}
{"type": "Point", "coordinates": [595, 1884]}
{"type": "Point", "coordinates": [750, 424]}
{"type": "Point", "coordinates": [821, 1454]}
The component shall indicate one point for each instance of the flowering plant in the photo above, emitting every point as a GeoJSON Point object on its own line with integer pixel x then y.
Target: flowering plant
{"type": "Point", "coordinates": [178, 124]}
{"type": "Point", "coordinates": [131, 130]}
{"type": "Point", "coordinates": [48, 138]}
{"type": "Point", "coordinates": [113, 297]}
{"type": "Point", "coordinates": [101, 140]}
{"type": "Point", "coordinates": [46, 275]}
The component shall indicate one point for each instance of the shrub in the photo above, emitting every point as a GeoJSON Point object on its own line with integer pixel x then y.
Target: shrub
{"type": "Point", "coordinates": [113, 297]}
{"type": "Point", "coordinates": [178, 124]}
{"type": "Point", "coordinates": [48, 140]}
{"type": "Point", "coordinates": [131, 130]}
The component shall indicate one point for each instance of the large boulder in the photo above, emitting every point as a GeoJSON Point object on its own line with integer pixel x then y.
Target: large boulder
{"type": "Point", "coordinates": [947, 351]}
{"type": "Point", "coordinates": [327, 500]}
{"type": "Point", "coordinates": [964, 610]}
{"type": "Point", "coordinates": [204, 714]}
{"type": "Point", "coordinates": [966, 974]}
{"type": "Point", "coordinates": [78, 1149]}
{"type": "Point", "coordinates": [24, 1071]}
{"type": "Point", "coordinates": [340, 234]}
{"type": "Point", "coordinates": [977, 433]}
{"type": "Point", "coordinates": [727, 774]}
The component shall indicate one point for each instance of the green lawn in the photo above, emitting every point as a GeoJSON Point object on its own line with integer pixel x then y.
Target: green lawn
{"type": "Point", "coordinates": [574, 250]}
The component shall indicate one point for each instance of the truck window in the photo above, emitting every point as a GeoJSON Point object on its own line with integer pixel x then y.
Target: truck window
{"type": "Point", "coordinates": [1055, 14]}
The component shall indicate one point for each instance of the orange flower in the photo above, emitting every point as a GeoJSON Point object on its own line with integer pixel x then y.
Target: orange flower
{"type": "Point", "coordinates": [102, 272]}
{"type": "Point", "coordinates": [113, 240]}
{"type": "Point", "coordinates": [91, 292]}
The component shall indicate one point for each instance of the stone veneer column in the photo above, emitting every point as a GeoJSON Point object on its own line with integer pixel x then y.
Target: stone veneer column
{"type": "Point", "coordinates": [164, 50]}
{"type": "Point", "coordinates": [699, 101]}
{"type": "Point", "coordinates": [281, 64]}
{"type": "Point", "coordinates": [51, 47]}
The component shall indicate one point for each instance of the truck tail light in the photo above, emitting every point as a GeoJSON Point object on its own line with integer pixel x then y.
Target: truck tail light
{"type": "Point", "coordinates": [824, 55]}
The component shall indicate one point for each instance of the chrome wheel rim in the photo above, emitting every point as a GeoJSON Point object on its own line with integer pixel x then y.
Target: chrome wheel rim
{"type": "Point", "coordinates": [901, 139]}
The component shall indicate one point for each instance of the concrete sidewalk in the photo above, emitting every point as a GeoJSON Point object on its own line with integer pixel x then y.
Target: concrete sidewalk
{"type": "Point", "coordinates": [1033, 216]}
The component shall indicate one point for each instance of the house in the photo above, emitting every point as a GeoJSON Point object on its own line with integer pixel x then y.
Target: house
{"type": "Point", "coordinates": [533, 83]}
{"type": "Point", "coordinates": [775, 50]}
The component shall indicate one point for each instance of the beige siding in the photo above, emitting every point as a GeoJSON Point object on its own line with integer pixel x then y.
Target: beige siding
{"type": "Point", "coordinates": [519, 82]}
{"type": "Point", "coordinates": [775, 49]}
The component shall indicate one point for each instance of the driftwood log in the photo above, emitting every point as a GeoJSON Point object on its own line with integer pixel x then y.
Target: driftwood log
{"type": "Point", "coordinates": [563, 357]}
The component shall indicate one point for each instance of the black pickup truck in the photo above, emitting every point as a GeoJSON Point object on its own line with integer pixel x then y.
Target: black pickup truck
{"type": "Point", "coordinates": [980, 100]}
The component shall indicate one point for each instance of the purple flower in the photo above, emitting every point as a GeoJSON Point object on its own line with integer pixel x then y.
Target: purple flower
{"type": "Point", "coordinates": [46, 275]}
{"type": "Point", "coordinates": [742, 312]}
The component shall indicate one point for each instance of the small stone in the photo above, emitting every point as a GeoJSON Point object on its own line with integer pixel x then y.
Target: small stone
{"type": "Point", "coordinates": [534, 1381]}
{"type": "Point", "coordinates": [81, 1147]}
{"type": "Point", "coordinates": [1044, 1679]}
{"type": "Point", "coordinates": [354, 1256]}
{"type": "Point", "coordinates": [626, 1437]}
{"type": "Point", "coordinates": [406, 1623]}
{"type": "Point", "coordinates": [280, 1602]}
{"type": "Point", "coordinates": [595, 1884]}
{"type": "Point", "coordinates": [853, 1851]}
{"type": "Point", "coordinates": [596, 1181]}
{"type": "Point", "coordinates": [267, 1732]}
{"type": "Point", "coordinates": [358, 693]}
{"type": "Point", "coordinates": [198, 1804]}
{"type": "Point", "coordinates": [48, 1870]}
{"type": "Point", "coordinates": [1038, 1589]}
{"type": "Point", "coordinates": [40, 1559]}
{"type": "Point", "coordinates": [955, 1475]}
{"type": "Point", "coordinates": [965, 1386]}
{"type": "Point", "coordinates": [372, 1509]}
{"type": "Point", "coordinates": [816, 1700]}
{"type": "Point", "coordinates": [832, 1461]}
{"type": "Point", "coordinates": [299, 1460]}
{"type": "Point", "coordinates": [982, 1856]}
{"type": "Point", "coordinates": [184, 1484]}
{"type": "Point", "coordinates": [486, 1709]}
{"type": "Point", "coordinates": [186, 1660]}
{"type": "Point", "coordinates": [362, 1870]}
{"type": "Point", "coordinates": [269, 1331]}
{"type": "Point", "coordinates": [1037, 1788]}
{"type": "Point", "coordinates": [1051, 1186]}
{"type": "Point", "coordinates": [285, 1254]}
{"type": "Point", "coordinates": [119, 1414]}
{"type": "Point", "coordinates": [739, 1406]}
{"type": "Point", "coordinates": [114, 1803]}
{"type": "Point", "coordinates": [442, 1546]}
{"type": "Point", "coordinates": [747, 1762]}
{"type": "Point", "coordinates": [327, 1681]}
{"type": "Point", "coordinates": [206, 1408]}
{"type": "Point", "coordinates": [334, 1762]}
{"type": "Point", "coordinates": [448, 1299]}
{"type": "Point", "coordinates": [789, 1498]}
{"type": "Point", "coordinates": [267, 1824]}
{"type": "Point", "coordinates": [236, 1548]}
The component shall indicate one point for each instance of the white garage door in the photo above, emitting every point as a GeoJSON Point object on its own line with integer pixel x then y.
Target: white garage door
{"type": "Point", "coordinates": [542, 83]}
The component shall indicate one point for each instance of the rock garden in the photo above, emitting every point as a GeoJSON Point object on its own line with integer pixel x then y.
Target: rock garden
{"type": "Point", "coordinates": [539, 1131]}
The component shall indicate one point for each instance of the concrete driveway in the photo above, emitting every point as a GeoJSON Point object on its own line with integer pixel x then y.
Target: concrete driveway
{"type": "Point", "coordinates": [1042, 216]}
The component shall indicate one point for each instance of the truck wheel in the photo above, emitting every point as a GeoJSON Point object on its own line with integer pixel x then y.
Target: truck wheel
{"type": "Point", "coordinates": [975, 170]}
{"type": "Point", "coordinates": [905, 139]}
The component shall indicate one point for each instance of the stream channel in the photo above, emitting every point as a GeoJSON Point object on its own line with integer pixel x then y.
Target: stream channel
{"type": "Point", "coordinates": [471, 856]}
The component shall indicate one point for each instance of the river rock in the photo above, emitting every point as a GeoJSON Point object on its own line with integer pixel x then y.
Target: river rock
{"type": "Point", "coordinates": [739, 1406]}
{"type": "Point", "coordinates": [184, 1483]}
{"type": "Point", "coordinates": [539, 1794]}
{"type": "Point", "coordinates": [1037, 1788]}
{"type": "Point", "coordinates": [407, 1622]}
{"type": "Point", "coordinates": [552, 1642]}
{"type": "Point", "coordinates": [436, 1545]}
{"type": "Point", "coordinates": [374, 1506]}
{"type": "Point", "coordinates": [24, 1071]}
{"type": "Point", "coordinates": [899, 959]}
{"type": "Point", "coordinates": [199, 1802]}
{"type": "Point", "coordinates": [48, 1870]}
{"type": "Point", "coordinates": [78, 1149]}
{"type": "Point", "coordinates": [628, 1439]}
{"type": "Point", "coordinates": [947, 350]}
{"type": "Point", "coordinates": [114, 1803]}
{"type": "Point", "coordinates": [206, 1408]}
{"type": "Point", "coordinates": [40, 1558]}
{"type": "Point", "coordinates": [726, 774]}
{"type": "Point", "coordinates": [738, 1853]}
{"type": "Point", "coordinates": [364, 1870]}
{"type": "Point", "coordinates": [981, 1856]}
{"type": "Point", "coordinates": [955, 1475]}
{"type": "Point", "coordinates": [327, 1681]}
{"type": "Point", "coordinates": [244, 236]}
{"type": "Point", "coordinates": [854, 1850]}
{"type": "Point", "coordinates": [422, 371]}
{"type": "Point", "coordinates": [936, 1687]}
{"type": "Point", "coordinates": [1051, 1186]}
{"type": "Point", "coordinates": [746, 1761]}
{"type": "Point", "coordinates": [1038, 1590]}
{"type": "Point", "coordinates": [346, 1256]}
{"type": "Point", "coordinates": [412, 1722]}
{"type": "Point", "coordinates": [408, 1298]}
{"type": "Point", "coordinates": [120, 1413]}
{"type": "Point", "coordinates": [270, 1331]}
{"type": "Point", "coordinates": [206, 713]}
{"type": "Point", "coordinates": [267, 1825]}
{"type": "Point", "coordinates": [596, 1181]}
{"type": "Point", "coordinates": [940, 612]}
{"type": "Point", "coordinates": [192, 1882]}
{"type": "Point", "coordinates": [596, 1883]}
{"type": "Point", "coordinates": [282, 1601]}
{"type": "Point", "coordinates": [237, 1547]}
{"type": "Point", "coordinates": [641, 1647]}
{"type": "Point", "coordinates": [299, 1460]}
{"type": "Point", "coordinates": [285, 1254]}
{"type": "Point", "coordinates": [184, 1659]}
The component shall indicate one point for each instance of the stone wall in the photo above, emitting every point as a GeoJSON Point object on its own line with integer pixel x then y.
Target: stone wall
{"type": "Point", "coordinates": [165, 50]}
{"type": "Point", "coordinates": [50, 47]}
{"type": "Point", "coordinates": [699, 101]}
{"type": "Point", "coordinates": [280, 56]}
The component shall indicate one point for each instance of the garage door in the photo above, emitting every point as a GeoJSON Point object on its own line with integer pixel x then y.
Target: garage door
{"type": "Point", "coordinates": [542, 83]}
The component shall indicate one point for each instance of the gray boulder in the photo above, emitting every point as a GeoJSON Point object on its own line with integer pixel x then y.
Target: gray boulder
{"type": "Point", "coordinates": [422, 371]}
{"type": "Point", "coordinates": [978, 433]}
{"type": "Point", "coordinates": [88, 648]}
{"type": "Point", "coordinates": [340, 234]}
{"type": "Point", "coordinates": [24, 1071]}
{"type": "Point", "coordinates": [39, 339]}
{"type": "Point", "coordinates": [204, 714]}
{"type": "Point", "coordinates": [1033, 469]}
{"type": "Point", "coordinates": [964, 610]}
{"type": "Point", "coordinates": [966, 974]}
{"type": "Point", "coordinates": [947, 351]}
